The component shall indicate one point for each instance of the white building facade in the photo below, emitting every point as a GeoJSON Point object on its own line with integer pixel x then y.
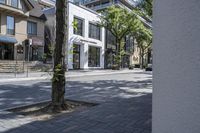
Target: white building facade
{"type": "Point", "coordinates": [85, 38]}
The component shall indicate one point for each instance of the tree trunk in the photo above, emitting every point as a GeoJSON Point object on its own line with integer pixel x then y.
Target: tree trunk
{"type": "Point", "coordinates": [58, 81]}
{"type": "Point", "coordinates": [141, 58]}
{"type": "Point", "coordinates": [118, 56]}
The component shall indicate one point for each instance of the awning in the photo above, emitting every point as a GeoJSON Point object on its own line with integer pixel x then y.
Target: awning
{"type": "Point", "coordinates": [7, 39]}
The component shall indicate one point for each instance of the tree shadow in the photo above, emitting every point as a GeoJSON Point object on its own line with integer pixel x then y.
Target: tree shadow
{"type": "Point", "coordinates": [120, 116]}
{"type": "Point", "coordinates": [97, 91]}
{"type": "Point", "coordinates": [124, 106]}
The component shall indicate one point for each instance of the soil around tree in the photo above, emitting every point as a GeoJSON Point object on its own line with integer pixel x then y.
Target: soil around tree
{"type": "Point", "coordinates": [43, 110]}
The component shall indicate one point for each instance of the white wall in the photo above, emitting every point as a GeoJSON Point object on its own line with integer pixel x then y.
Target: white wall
{"type": "Point", "coordinates": [87, 16]}
{"type": "Point", "coordinates": [176, 79]}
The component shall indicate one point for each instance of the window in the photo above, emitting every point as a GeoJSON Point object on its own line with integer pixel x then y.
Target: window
{"type": "Point", "coordinates": [94, 31]}
{"type": "Point", "coordinates": [129, 43]}
{"type": "Point", "coordinates": [79, 29]}
{"type": "Point", "coordinates": [94, 57]}
{"type": "Point", "coordinates": [3, 1]}
{"type": "Point", "coordinates": [10, 25]}
{"type": "Point", "coordinates": [14, 3]}
{"type": "Point", "coordinates": [0, 23]}
{"type": "Point", "coordinates": [110, 40]}
{"type": "Point", "coordinates": [32, 28]}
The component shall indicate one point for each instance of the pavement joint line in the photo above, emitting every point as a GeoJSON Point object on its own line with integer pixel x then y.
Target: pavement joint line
{"type": "Point", "coordinates": [43, 101]}
{"type": "Point", "coordinates": [9, 108]}
{"type": "Point", "coordinates": [67, 76]}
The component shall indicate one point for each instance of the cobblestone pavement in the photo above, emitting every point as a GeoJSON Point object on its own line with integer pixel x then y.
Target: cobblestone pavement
{"type": "Point", "coordinates": [124, 105]}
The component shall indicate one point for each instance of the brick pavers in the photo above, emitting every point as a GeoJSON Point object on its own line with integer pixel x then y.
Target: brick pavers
{"type": "Point", "coordinates": [122, 108]}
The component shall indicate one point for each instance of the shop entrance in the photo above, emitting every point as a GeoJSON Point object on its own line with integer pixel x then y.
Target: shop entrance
{"type": "Point", "coordinates": [6, 51]}
{"type": "Point", "coordinates": [76, 56]}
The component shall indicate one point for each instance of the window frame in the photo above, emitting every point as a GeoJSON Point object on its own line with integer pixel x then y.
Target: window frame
{"type": "Point", "coordinates": [97, 59]}
{"type": "Point", "coordinates": [0, 22]}
{"type": "Point", "coordinates": [7, 25]}
{"type": "Point", "coordinates": [31, 22]}
{"type": "Point", "coordinates": [11, 3]}
{"type": "Point", "coordinates": [100, 31]}
{"type": "Point", "coordinates": [83, 26]}
{"type": "Point", "coordinates": [5, 1]}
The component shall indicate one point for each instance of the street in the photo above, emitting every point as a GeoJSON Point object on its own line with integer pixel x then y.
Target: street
{"type": "Point", "coordinates": [124, 102]}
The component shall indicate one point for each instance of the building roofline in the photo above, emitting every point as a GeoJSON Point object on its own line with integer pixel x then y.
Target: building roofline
{"type": "Point", "coordinates": [81, 6]}
{"type": "Point", "coordinates": [86, 8]}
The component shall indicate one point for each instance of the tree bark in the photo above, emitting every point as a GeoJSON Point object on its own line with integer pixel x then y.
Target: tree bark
{"type": "Point", "coordinates": [58, 81]}
{"type": "Point", "coordinates": [118, 56]}
{"type": "Point", "coordinates": [141, 58]}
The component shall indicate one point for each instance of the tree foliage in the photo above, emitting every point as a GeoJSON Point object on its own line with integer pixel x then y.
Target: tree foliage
{"type": "Point", "coordinates": [143, 37]}
{"type": "Point", "coordinates": [119, 22]}
{"type": "Point", "coordinates": [146, 6]}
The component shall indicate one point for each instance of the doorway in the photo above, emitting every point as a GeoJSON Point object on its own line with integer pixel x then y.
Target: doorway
{"type": "Point", "coordinates": [76, 56]}
{"type": "Point", "coordinates": [6, 51]}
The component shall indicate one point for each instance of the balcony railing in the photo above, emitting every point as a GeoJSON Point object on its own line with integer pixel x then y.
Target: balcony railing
{"type": "Point", "coordinates": [99, 7]}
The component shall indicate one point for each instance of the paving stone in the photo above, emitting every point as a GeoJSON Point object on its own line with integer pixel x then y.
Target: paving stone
{"type": "Point", "coordinates": [120, 109]}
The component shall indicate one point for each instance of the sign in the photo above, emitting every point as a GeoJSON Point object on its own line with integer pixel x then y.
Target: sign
{"type": "Point", "coordinates": [20, 49]}
{"type": "Point", "coordinates": [37, 41]}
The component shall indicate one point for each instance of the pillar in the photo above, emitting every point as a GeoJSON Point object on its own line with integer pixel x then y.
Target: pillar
{"type": "Point", "coordinates": [176, 66]}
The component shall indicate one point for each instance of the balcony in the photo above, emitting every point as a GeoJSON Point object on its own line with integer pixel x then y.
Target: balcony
{"type": "Point", "coordinates": [14, 9]}
{"type": "Point", "coordinates": [100, 7]}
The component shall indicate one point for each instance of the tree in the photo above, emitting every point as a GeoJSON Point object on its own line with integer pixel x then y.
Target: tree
{"type": "Point", "coordinates": [50, 31]}
{"type": "Point", "coordinates": [143, 37]}
{"type": "Point", "coordinates": [58, 80]}
{"type": "Point", "coordinates": [119, 22]}
{"type": "Point", "coordinates": [146, 6]}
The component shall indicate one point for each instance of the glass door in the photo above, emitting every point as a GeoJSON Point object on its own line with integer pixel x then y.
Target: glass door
{"type": "Point", "coordinates": [76, 57]}
{"type": "Point", "coordinates": [6, 51]}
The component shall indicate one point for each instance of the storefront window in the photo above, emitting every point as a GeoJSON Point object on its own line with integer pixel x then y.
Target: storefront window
{"type": "Point", "coordinates": [94, 57]}
{"type": "Point", "coordinates": [94, 31]}
{"type": "Point", "coordinates": [110, 40]}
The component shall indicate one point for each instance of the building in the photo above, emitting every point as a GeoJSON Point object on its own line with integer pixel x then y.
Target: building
{"type": "Point", "coordinates": [46, 3]}
{"type": "Point", "coordinates": [86, 42]}
{"type": "Point", "coordinates": [132, 56]}
{"type": "Point", "coordinates": [110, 48]}
{"type": "Point", "coordinates": [99, 5]}
{"type": "Point", "coordinates": [21, 30]}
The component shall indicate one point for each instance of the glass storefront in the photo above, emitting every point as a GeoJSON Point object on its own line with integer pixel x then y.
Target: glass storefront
{"type": "Point", "coordinates": [6, 51]}
{"type": "Point", "coordinates": [76, 56]}
{"type": "Point", "coordinates": [111, 50]}
{"type": "Point", "coordinates": [94, 57]}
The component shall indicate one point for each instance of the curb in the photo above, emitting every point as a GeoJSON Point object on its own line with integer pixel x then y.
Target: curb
{"type": "Point", "coordinates": [67, 76]}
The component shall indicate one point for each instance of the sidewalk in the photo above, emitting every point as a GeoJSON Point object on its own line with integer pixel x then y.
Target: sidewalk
{"type": "Point", "coordinates": [124, 104]}
{"type": "Point", "coordinates": [7, 77]}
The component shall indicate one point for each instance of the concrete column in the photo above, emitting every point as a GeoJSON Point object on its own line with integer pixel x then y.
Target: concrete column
{"type": "Point", "coordinates": [85, 57]}
{"type": "Point", "coordinates": [176, 65]}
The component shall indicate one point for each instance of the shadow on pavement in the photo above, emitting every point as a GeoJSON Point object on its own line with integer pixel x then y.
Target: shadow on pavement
{"type": "Point", "coordinates": [92, 91]}
{"type": "Point", "coordinates": [122, 115]}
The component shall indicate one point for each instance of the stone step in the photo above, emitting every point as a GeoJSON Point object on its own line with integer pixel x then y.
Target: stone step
{"type": "Point", "coordinates": [11, 66]}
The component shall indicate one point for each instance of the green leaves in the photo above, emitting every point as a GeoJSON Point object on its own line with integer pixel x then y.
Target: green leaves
{"type": "Point", "coordinates": [121, 22]}
{"type": "Point", "coordinates": [75, 24]}
{"type": "Point", "coordinates": [146, 7]}
{"type": "Point", "coordinates": [58, 73]}
{"type": "Point", "coordinates": [118, 21]}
